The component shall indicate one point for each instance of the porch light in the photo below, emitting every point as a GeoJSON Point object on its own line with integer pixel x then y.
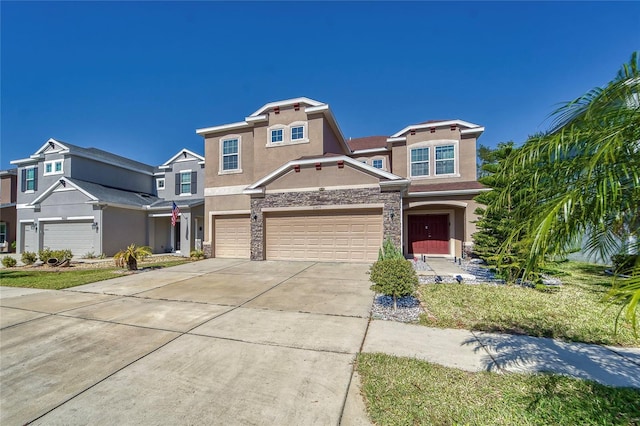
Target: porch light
{"type": "Point", "coordinates": [391, 214]}
{"type": "Point", "coordinates": [255, 217]}
{"type": "Point", "coordinates": [94, 226]}
{"type": "Point", "coordinates": [34, 226]}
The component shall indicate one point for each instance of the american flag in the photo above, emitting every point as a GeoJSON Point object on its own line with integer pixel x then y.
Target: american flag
{"type": "Point", "coordinates": [175, 211]}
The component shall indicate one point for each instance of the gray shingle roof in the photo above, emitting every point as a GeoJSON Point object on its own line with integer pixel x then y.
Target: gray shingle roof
{"type": "Point", "coordinates": [115, 196]}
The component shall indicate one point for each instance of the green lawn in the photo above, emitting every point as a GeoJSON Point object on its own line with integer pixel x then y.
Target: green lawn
{"type": "Point", "coordinates": [403, 391]}
{"type": "Point", "coordinates": [574, 311]}
{"type": "Point", "coordinates": [60, 278]}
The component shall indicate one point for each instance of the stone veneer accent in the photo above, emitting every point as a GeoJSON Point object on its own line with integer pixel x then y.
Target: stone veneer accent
{"type": "Point", "coordinates": [391, 200]}
{"type": "Point", "coordinates": [206, 248]}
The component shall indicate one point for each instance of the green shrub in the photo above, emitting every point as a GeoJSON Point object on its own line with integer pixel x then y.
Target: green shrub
{"type": "Point", "coordinates": [197, 254]}
{"type": "Point", "coordinates": [624, 263]}
{"type": "Point", "coordinates": [29, 258]}
{"type": "Point", "coordinates": [46, 254]}
{"type": "Point", "coordinates": [394, 277]}
{"type": "Point", "coordinates": [9, 262]}
{"type": "Point", "coordinates": [14, 244]}
{"type": "Point", "coordinates": [389, 251]}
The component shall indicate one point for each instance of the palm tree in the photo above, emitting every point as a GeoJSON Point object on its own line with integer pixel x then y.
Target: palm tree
{"type": "Point", "coordinates": [583, 178]}
{"type": "Point", "coordinates": [131, 255]}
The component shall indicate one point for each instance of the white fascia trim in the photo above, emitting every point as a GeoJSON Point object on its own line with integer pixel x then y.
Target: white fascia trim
{"type": "Point", "coordinates": [256, 119]}
{"type": "Point", "coordinates": [49, 219]}
{"type": "Point", "coordinates": [26, 220]}
{"type": "Point", "coordinates": [164, 167]}
{"type": "Point", "coordinates": [321, 160]}
{"type": "Point", "coordinates": [285, 102]}
{"type": "Point", "coordinates": [46, 144]}
{"type": "Point", "coordinates": [55, 185]}
{"type": "Point", "coordinates": [23, 161]}
{"type": "Point", "coordinates": [401, 182]}
{"type": "Point", "coordinates": [399, 139]}
{"type": "Point", "coordinates": [24, 206]}
{"type": "Point", "coordinates": [119, 206]}
{"type": "Point", "coordinates": [81, 218]}
{"type": "Point", "coordinates": [369, 151]}
{"type": "Point", "coordinates": [224, 190]}
{"type": "Point", "coordinates": [160, 215]}
{"type": "Point", "coordinates": [159, 174]}
{"type": "Point", "coordinates": [472, 131]}
{"type": "Point", "coordinates": [436, 124]}
{"type": "Point", "coordinates": [253, 191]}
{"type": "Point", "coordinates": [182, 151]}
{"type": "Point", "coordinates": [228, 212]}
{"type": "Point", "coordinates": [201, 163]}
{"type": "Point", "coordinates": [230, 126]}
{"type": "Point", "coordinates": [451, 192]}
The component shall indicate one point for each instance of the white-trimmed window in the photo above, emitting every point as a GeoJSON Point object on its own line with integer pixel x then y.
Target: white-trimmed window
{"type": "Point", "coordinates": [160, 184]}
{"type": "Point", "coordinates": [53, 167]}
{"type": "Point", "coordinates": [277, 135]}
{"type": "Point", "coordinates": [3, 232]}
{"type": "Point", "coordinates": [378, 163]}
{"type": "Point", "coordinates": [230, 155]}
{"type": "Point", "coordinates": [420, 161]}
{"type": "Point", "coordinates": [445, 160]}
{"type": "Point", "coordinates": [185, 182]}
{"type": "Point", "coordinates": [297, 133]}
{"type": "Point", "coordinates": [30, 179]}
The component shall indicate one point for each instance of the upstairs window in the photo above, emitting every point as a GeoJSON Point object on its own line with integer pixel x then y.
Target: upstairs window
{"type": "Point", "coordinates": [230, 154]}
{"type": "Point", "coordinates": [377, 163]}
{"type": "Point", "coordinates": [297, 133]}
{"type": "Point", "coordinates": [29, 179]}
{"type": "Point", "coordinates": [277, 135]}
{"type": "Point", "coordinates": [420, 162]}
{"type": "Point", "coordinates": [185, 183]}
{"type": "Point", "coordinates": [53, 167]}
{"type": "Point", "coordinates": [445, 160]}
{"type": "Point", "coordinates": [160, 184]}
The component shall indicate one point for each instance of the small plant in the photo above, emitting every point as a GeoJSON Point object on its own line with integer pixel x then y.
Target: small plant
{"type": "Point", "coordinates": [196, 254]}
{"type": "Point", "coordinates": [389, 251]}
{"type": "Point", "coordinates": [9, 262]}
{"type": "Point", "coordinates": [46, 254]}
{"type": "Point", "coordinates": [624, 263]}
{"type": "Point", "coordinates": [131, 256]}
{"type": "Point", "coordinates": [102, 256]}
{"type": "Point", "coordinates": [90, 255]}
{"type": "Point", "coordinates": [394, 277]}
{"type": "Point", "coordinates": [14, 244]}
{"type": "Point", "coordinates": [29, 258]}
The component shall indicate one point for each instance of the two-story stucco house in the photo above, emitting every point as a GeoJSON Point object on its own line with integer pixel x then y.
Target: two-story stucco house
{"type": "Point", "coordinates": [92, 201]}
{"type": "Point", "coordinates": [285, 184]}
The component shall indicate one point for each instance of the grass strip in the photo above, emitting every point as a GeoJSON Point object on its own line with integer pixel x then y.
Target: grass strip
{"type": "Point", "coordinates": [403, 391]}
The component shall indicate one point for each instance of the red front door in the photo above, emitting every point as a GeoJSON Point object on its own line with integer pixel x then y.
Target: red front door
{"type": "Point", "coordinates": [429, 234]}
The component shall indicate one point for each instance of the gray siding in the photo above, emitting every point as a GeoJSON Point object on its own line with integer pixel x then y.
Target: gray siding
{"type": "Point", "coordinates": [169, 193]}
{"type": "Point", "coordinates": [121, 227]}
{"type": "Point", "coordinates": [112, 176]}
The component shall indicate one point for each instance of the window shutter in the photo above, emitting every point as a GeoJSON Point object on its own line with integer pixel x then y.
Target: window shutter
{"type": "Point", "coordinates": [23, 187]}
{"type": "Point", "coordinates": [177, 183]}
{"type": "Point", "coordinates": [35, 178]}
{"type": "Point", "coordinates": [194, 182]}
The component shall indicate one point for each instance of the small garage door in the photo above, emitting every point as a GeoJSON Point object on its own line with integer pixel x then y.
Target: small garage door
{"type": "Point", "coordinates": [342, 236]}
{"type": "Point", "coordinates": [75, 236]}
{"type": "Point", "coordinates": [232, 236]}
{"type": "Point", "coordinates": [29, 238]}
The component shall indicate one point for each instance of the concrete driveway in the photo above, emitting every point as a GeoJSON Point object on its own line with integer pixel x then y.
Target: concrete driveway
{"type": "Point", "coordinates": [219, 341]}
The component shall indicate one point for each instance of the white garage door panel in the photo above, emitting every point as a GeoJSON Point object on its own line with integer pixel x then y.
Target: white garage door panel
{"type": "Point", "coordinates": [325, 236]}
{"type": "Point", "coordinates": [232, 236]}
{"type": "Point", "coordinates": [29, 238]}
{"type": "Point", "coordinates": [75, 236]}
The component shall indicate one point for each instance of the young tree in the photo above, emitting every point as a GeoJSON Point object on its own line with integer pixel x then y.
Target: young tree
{"type": "Point", "coordinates": [582, 178]}
{"type": "Point", "coordinates": [394, 277]}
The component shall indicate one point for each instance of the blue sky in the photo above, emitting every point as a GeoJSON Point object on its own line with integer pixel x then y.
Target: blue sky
{"type": "Point", "coordinates": [137, 78]}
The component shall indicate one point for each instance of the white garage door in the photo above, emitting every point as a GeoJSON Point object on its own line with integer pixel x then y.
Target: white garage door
{"type": "Point", "coordinates": [344, 236]}
{"type": "Point", "coordinates": [29, 238]}
{"type": "Point", "coordinates": [232, 236]}
{"type": "Point", "coordinates": [75, 236]}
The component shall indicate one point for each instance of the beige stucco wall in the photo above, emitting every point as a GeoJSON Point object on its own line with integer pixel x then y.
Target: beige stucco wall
{"type": "Point", "coordinates": [466, 155]}
{"type": "Point", "coordinates": [328, 176]}
{"type": "Point", "coordinates": [213, 177]}
{"type": "Point", "coordinates": [331, 142]}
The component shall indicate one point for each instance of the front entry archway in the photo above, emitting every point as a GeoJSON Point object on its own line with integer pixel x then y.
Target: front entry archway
{"type": "Point", "coordinates": [429, 234]}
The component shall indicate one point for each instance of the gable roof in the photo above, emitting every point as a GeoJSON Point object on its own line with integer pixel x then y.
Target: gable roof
{"type": "Point", "coordinates": [101, 194]}
{"type": "Point", "coordinates": [60, 147]}
{"type": "Point", "coordinates": [466, 127]}
{"type": "Point", "coordinates": [184, 152]}
{"type": "Point", "coordinates": [287, 102]}
{"type": "Point", "coordinates": [327, 158]}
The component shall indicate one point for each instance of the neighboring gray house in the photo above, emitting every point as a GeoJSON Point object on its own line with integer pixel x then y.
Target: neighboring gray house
{"type": "Point", "coordinates": [89, 200]}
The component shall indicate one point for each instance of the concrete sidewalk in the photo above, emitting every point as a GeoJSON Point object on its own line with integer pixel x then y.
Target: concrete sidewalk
{"type": "Point", "coordinates": [478, 351]}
